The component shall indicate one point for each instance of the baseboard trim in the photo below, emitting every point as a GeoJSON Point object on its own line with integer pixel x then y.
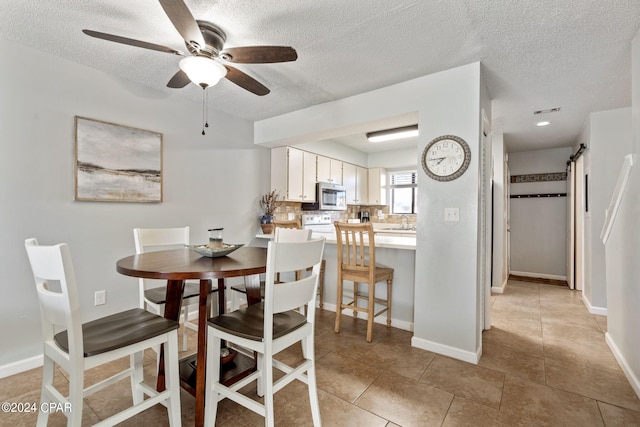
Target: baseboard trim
{"type": "Point", "coordinates": [396, 323]}
{"type": "Point", "coordinates": [602, 311]}
{"type": "Point", "coordinates": [500, 289]}
{"type": "Point", "coordinates": [538, 275]}
{"type": "Point", "coordinates": [628, 372]}
{"type": "Point", "coordinates": [20, 366]}
{"type": "Point", "coordinates": [445, 350]}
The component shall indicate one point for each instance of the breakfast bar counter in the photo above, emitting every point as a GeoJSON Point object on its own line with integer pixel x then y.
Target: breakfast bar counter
{"type": "Point", "coordinates": [397, 252]}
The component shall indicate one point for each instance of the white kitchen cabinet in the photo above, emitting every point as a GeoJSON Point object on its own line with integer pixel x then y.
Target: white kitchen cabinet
{"type": "Point", "coordinates": [293, 174]}
{"type": "Point", "coordinates": [355, 179]}
{"type": "Point", "coordinates": [329, 170]}
{"type": "Point", "coordinates": [378, 186]}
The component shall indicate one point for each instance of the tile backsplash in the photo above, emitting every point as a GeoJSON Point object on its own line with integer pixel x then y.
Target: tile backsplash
{"type": "Point", "coordinates": [352, 212]}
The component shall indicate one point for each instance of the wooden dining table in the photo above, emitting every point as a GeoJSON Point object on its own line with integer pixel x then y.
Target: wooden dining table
{"type": "Point", "coordinates": [177, 265]}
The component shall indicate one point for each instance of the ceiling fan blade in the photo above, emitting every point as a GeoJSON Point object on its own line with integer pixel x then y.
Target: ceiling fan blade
{"type": "Point", "coordinates": [260, 54]}
{"type": "Point", "coordinates": [181, 18]}
{"type": "Point", "coordinates": [131, 42]}
{"type": "Point", "coordinates": [179, 80]}
{"type": "Point", "coordinates": [245, 81]}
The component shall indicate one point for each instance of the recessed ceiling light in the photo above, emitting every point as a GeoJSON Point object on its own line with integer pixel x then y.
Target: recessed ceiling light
{"type": "Point", "coordinates": [543, 123]}
{"type": "Point", "coordinates": [391, 134]}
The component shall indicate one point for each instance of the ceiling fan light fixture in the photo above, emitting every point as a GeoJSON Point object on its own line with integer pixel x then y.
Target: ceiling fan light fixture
{"type": "Point", "coordinates": [393, 134]}
{"type": "Point", "coordinates": [203, 71]}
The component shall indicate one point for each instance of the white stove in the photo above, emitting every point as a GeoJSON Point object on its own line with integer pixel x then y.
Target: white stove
{"type": "Point", "coordinates": [321, 223]}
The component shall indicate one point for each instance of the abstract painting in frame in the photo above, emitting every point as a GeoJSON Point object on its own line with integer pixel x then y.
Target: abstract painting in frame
{"type": "Point", "coordinates": [117, 163]}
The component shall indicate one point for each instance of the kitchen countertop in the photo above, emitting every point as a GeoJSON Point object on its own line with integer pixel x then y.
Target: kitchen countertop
{"type": "Point", "coordinates": [392, 242]}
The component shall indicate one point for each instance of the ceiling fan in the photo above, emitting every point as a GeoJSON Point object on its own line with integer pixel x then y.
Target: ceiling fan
{"type": "Point", "coordinates": [205, 43]}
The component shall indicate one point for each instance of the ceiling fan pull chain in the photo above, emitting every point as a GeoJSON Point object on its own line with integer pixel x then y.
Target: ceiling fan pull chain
{"type": "Point", "coordinates": [204, 89]}
{"type": "Point", "coordinates": [206, 110]}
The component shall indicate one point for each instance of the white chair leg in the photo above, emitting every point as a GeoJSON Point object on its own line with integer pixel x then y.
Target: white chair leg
{"type": "Point", "coordinates": [185, 310]}
{"type": "Point", "coordinates": [260, 381]}
{"type": "Point", "coordinates": [267, 375]}
{"type": "Point", "coordinates": [76, 385]}
{"type": "Point", "coordinates": [173, 380]}
{"type": "Point", "coordinates": [212, 379]}
{"type": "Point", "coordinates": [48, 370]}
{"type": "Point", "coordinates": [311, 382]}
{"type": "Point", "coordinates": [137, 376]}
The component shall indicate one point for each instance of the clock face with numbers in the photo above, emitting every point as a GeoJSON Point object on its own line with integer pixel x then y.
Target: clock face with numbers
{"type": "Point", "coordinates": [446, 158]}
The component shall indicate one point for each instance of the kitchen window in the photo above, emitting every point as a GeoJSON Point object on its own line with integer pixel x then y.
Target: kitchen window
{"type": "Point", "coordinates": [404, 192]}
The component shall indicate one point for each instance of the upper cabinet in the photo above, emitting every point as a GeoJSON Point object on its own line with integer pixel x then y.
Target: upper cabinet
{"type": "Point", "coordinates": [293, 174]}
{"type": "Point", "coordinates": [378, 186]}
{"type": "Point", "coordinates": [355, 179]}
{"type": "Point", "coordinates": [329, 170]}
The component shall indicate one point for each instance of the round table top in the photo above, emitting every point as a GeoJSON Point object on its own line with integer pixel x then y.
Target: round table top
{"type": "Point", "coordinates": [184, 264]}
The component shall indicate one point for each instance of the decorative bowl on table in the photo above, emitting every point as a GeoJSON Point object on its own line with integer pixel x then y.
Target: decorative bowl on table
{"type": "Point", "coordinates": [205, 250]}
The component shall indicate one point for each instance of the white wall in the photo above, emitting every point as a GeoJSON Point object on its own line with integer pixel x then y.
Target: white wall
{"type": "Point", "coordinates": [446, 288]}
{"type": "Point", "coordinates": [329, 148]}
{"type": "Point", "coordinates": [609, 141]}
{"type": "Point", "coordinates": [538, 225]}
{"type": "Point", "coordinates": [499, 214]}
{"type": "Point", "coordinates": [394, 159]}
{"type": "Point", "coordinates": [623, 252]}
{"type": "Point", "coordinates": [213, 180]}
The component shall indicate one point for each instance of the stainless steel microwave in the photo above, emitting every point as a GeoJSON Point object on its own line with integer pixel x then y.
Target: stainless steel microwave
{"type": "Point", "coordinates": [329, 197]}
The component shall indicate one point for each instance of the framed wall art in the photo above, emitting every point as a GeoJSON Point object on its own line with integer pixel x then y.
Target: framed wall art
{"type": "Point", "coordinates": [115, 163]}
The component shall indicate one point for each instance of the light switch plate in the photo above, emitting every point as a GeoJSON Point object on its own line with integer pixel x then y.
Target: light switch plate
{"type": "Point", "coordinates": [452, 214]}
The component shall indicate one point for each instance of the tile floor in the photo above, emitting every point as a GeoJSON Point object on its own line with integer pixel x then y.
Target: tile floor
{"type": "Point", "coordinates": [544, 363]}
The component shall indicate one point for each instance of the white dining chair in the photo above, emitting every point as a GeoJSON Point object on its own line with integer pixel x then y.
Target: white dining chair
{"type": "Point", "coordinates": [153, 292]}
{"type": "Point", "coordinates": [281, 234]}
{"type": "Point", "coordinates": [268, 328]}
{"type": "Point", "coordinates": [77, 347]}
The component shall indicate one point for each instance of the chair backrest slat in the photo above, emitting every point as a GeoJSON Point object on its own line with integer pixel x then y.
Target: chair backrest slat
{"type": "Point", "coordinates": [150, 237]}
{"type": "Point", "coordinates": [59, 310]}
{"type": "Point", "coordinates": [287, 223]}
{"type": "Point", "coordinates": [356, 246]}
{"type": "Point", "coordinates": [292, 256]}
{"type": "Point", "coordinates": [146, 239]}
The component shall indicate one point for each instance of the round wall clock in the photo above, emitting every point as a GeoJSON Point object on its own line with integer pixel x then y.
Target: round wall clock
{"type": "Point", "coordinates": [446, 158]}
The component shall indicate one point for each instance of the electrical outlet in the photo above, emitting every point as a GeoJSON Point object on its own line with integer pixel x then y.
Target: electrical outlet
{"type": "Point", "coordinates": [452, 214]}
{"type": "Point", "coordinates": [100, 298]}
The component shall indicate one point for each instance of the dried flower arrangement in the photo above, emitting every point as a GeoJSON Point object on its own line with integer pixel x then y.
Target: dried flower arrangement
{"type": "Point", "coordinates": [270, 202]}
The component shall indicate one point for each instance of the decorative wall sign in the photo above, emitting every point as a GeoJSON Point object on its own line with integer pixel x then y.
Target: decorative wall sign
{"type": "Point", "coordinates": [539, 177]}
{"type": "Point", "coordinates": [115, 163]}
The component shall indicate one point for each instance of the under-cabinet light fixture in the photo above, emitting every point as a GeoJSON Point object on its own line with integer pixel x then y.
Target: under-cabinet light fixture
{"type": "Point", "coordinates": [545, 123]}
{"type": "Point", "coordinates": [392, 134]}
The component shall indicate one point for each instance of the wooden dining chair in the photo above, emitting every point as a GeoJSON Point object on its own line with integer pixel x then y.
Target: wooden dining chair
{"type": "Point", "coordinates": [357, 263]}
{"type": "Point", "coordinates": [287, 223]}
{"type": "Point", "coordinates": [282, 234]}
{"type": "Point", "coordinates": [77, 347]}
{"type": "Point", "coordinates": [267, 329]}
{"type": "Point", "coordinates": [153, 293]}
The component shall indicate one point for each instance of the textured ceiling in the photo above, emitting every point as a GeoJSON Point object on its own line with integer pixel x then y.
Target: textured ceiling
{"type": "Point", "coordinates": [536, 54]}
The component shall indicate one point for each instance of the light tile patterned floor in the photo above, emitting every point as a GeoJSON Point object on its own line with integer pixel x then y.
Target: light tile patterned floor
{"type": "Point", "coordinates": [544, 362]}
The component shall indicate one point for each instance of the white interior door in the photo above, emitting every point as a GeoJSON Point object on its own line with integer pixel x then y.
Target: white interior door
{"type": "Point", "coordinates": [571, 225]}
{"type": "Point", "coordinates": [507, 208]}
{"type": "Point", "coordinates": [579, 224]}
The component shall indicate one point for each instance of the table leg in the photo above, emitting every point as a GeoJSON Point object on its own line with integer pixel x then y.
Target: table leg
{"type": "Point", "coordinates": [203, 313]}
{"type": "Point", "coordinates": [171, 311]}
